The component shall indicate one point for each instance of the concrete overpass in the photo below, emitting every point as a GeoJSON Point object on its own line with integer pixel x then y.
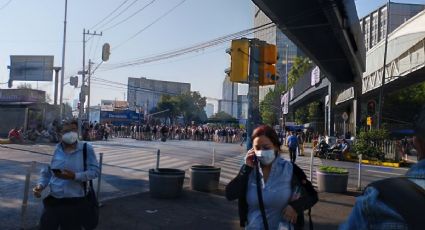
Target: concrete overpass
{"type": "Point", "coordinates": [327, 31]}
{"type": "Point", "coordinates": [405, 67]}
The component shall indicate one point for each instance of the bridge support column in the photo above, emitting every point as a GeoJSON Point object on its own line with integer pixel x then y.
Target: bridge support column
{"type": "Point", "coordinates": [330, 118]}
{"type": "Point", "coordinates": [357, 112]}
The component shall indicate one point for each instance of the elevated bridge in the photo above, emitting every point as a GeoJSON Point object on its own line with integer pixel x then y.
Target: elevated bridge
{"type": "Point", "coordinates": [327, 31]}
{"type": "Point", "coordinates": [404, 68]}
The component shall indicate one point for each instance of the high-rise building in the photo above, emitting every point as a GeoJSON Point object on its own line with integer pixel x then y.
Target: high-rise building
{"type": "Point", "coordinates": [209, 109]}
{"type": "Point", "coordinates": [274, 36]}
{"type": "Point", "coordinates": [146, 93]}
{"type": "Point", "coordinates": [374, 25]}
{"type": "Point", "coordinates": [242, 107]}
{"type": "Point", "coordinates": [229, 101]}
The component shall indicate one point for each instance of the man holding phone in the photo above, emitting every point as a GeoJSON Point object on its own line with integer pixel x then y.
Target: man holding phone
{"type": "Point", "coordinates": [65, 204]}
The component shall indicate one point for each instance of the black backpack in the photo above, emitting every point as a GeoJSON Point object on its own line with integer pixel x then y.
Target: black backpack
{"type": "Point", "coordinates": [405, 197]}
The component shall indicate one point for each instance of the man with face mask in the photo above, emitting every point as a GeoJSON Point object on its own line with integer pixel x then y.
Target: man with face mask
{"type": "Point", "coordinates": [395, 203]}
{"type": "Point", "coordinates": [65, 176]}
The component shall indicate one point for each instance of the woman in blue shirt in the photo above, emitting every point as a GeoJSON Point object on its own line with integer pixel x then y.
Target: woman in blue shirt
{"type": "Point", "coordinates": [274, 178]}
{"type": "Point", "coordinates": [65, 205]}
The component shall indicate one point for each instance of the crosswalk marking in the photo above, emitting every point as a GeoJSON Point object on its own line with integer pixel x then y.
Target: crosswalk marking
{"type": "Point", "coordinates": [137, 162]}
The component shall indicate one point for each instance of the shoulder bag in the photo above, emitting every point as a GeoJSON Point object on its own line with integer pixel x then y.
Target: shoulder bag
{"type": "Point", "coordinates": [91, 217]}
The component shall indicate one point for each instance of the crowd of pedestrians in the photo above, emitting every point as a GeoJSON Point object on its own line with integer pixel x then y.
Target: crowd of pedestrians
{"type": "Point", "coordinates": [221, 134]}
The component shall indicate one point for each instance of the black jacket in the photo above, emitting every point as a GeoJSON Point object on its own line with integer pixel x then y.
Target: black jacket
{"type": "Point", "coordinates": [237, 189]}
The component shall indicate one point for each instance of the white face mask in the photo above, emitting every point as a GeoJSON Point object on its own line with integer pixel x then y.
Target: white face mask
{"type": "Point", "coordinates": [70, 137]}
{"type": "Point", "coordinates": [266, 157]}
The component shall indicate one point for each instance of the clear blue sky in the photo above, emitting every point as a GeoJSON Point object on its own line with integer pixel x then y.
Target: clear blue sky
{"type": "Point", "coordinates": [32, 27]}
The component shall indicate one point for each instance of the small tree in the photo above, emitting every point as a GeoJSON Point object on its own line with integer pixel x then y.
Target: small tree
{"type": "Point", "coordinates": [369, 144]}
{"type": "Point", "coordinates": [270, 108]}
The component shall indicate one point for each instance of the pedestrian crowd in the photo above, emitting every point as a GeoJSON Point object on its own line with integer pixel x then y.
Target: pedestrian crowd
{"type": "Point", "coordinates": [221, 134]}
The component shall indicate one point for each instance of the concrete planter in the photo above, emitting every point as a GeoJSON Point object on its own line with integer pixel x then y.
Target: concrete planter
{"type": "Point", "coordinates": [332, 182]}
{"type": "Point", "coordinates": [166, 182]}
{"type": "Point", "coordinates": [204, 178]}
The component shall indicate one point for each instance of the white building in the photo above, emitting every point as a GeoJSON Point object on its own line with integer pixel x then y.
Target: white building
{"type": "Point", "coordinates": [229, 102]}
{"type": "Point", "coordinates": [146, 93]}
{"type": "Point", "coordinates": [374, 25]}
{"type": "Point", "coordinates": [209, 109]}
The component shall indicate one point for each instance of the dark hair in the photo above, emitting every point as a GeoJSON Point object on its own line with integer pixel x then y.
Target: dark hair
{"type": "Point", "coordinates": [265, 130]}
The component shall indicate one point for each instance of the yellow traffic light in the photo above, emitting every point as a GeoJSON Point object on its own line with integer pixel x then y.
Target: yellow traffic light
{"type": "Point", "coordinates": [369, 121]}
{"type": "Point", "coordinates": [267, 74]}
{"type": "Point", "coordinates": [268, 53]}
{"type": "Point", "coordinates": [239, 60]}
{"type": "Point", "coordinates": [266, 68]}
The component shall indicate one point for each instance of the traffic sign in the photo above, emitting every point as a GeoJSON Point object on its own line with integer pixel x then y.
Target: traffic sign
{"type": "Point", "coordinates": [345, 116]}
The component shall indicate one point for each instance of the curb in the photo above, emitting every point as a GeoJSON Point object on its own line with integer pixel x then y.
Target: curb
{"type": "Point", "coordinates": [379, 163]}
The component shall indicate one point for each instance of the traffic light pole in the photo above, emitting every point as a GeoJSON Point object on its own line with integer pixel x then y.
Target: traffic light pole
{"type": "Point", "coordinates": [253, 91]}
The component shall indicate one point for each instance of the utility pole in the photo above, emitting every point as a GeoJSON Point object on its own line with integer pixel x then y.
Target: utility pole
{"type": "Point", "coordinates": [286, 85]}
{"type": "Point", "coordinates": [83, 76]}
{"type": "Point", "coordinates": [253, 88]}
{"type": "Point", "coordinates": [55, 98]}
{"type": "Point", "coordinates": [381, 89]}
{"type": "Point", "coordinates": [88, 92]}
{"type": "Point", "coordinates": [63, 64]}
{"type": "Point", "coordinates": [231, 103]}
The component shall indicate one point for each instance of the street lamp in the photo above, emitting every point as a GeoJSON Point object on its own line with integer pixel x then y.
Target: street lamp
{"type": "Point", "coordinates": [63, 62]}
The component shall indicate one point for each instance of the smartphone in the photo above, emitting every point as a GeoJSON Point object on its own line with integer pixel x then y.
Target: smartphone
{"type": "Point", "coordinates": [56, 171]}
{"type": "Point", "coordinates": [255, 159]}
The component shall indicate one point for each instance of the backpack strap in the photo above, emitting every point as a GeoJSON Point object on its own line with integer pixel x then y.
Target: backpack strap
{"type": "Point", "coordinates": [405, 197]}
{"type": "Point", "coordinates": [85, 169]}
{"type": "Point", "coordinates": [260, 197]}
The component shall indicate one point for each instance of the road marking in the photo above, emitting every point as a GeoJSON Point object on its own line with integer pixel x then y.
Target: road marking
{"type": "Point", "coordinates": [389, 173]}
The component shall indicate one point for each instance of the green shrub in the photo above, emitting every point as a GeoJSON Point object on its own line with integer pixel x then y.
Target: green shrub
{"type": "Point", "coordinates": [367, 144]}
{"type": "Point", "coordinates": [331, 169]}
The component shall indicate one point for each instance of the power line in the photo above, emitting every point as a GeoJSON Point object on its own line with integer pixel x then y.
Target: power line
{"type": "Point", "coordinates": [129, 87]}
{"type": "Point", "coordinates": [190, 49]}
{"type": "Point", "coordinates": [107, 16]}
{"type": "Point", "coordinates": [6, 4]}
{"type": "Point", "coordinates": [155, 21]}
{"type": "Point", "coordinates": [118, 87]}
{"type": "Point", "coordinates": [116, 16]}
{"type": "Point", "coordinates": [96, 46]}
{"type": "Point", "coordinates": [134, 14]}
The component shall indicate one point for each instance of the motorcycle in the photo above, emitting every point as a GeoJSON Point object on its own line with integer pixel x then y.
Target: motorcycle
{"type": "Point", "coordinates": [323, 150]}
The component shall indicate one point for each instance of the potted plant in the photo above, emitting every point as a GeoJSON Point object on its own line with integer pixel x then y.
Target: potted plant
{"type": "Point", "coordinates": [332, 179]}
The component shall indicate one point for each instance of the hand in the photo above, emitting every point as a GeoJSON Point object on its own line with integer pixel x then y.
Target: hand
{"type": "Point", "coordinates": [37, 191]}
{"type": "Point", "coordinates": [249, 158]}
{"type": "Point", "coordinates": [65, 175]}
{"type": "Point", "coordinates": [290, 214]}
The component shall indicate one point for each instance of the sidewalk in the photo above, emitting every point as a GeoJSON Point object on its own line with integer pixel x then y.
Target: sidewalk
{"type": "Point", "coordinates": [197, 210]}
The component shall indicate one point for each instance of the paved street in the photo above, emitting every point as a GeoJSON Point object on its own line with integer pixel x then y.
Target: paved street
{"type": "Point", "coordinates": [126, 164]}
{"type": "Point", "coordinates": [125, 169]}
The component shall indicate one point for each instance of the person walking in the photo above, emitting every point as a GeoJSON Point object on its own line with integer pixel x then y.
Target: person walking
{"type": "Point", "coordinates": [292, 144]}
{"type": "Point", "coordinates": [267, 187]}
{"type": "Point", "coordinates": [394, 203]}
{"type": "Point", "coordinates": [301, 139]}
{"type": "Point", "coordinates": [65, 207]}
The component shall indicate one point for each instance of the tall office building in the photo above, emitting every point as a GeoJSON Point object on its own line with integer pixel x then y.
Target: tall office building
{"type": "Point", "coordinates": [274, 36]}
{"type": "Point", "coordinates": [374, 25]}
{"type": "Point", "coordinates": [242, 107]}
{"type": "Point", "coordinates": [229, 101]}
{"type": "Point", "coordinates": [209, 109]}
{"type": "Point", "coordinates": [146, 93]}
